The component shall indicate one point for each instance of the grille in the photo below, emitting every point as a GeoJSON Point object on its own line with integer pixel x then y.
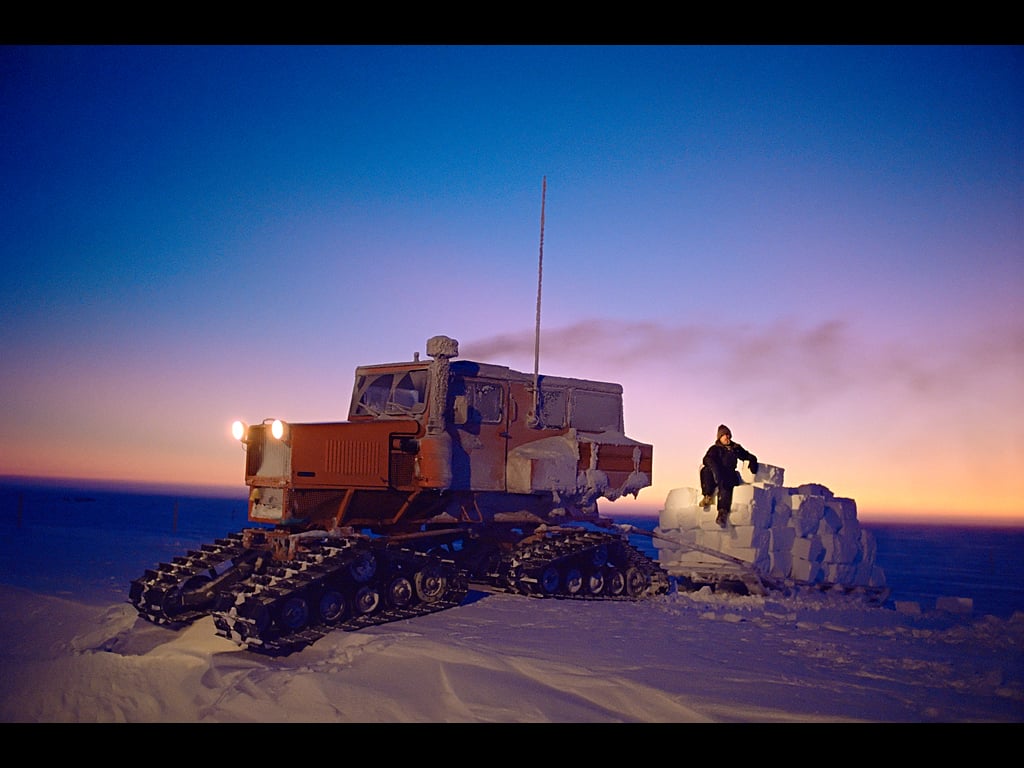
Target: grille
{"type": "Point", "coordinates": [353, 457]}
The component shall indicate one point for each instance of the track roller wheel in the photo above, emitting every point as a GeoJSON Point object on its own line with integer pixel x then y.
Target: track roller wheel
{"type": "Point", "coordinates": [549, 580]}
{"type": "Point", "coordinates": [367, 600]}
{"type": "Point", "coordinates": [615, 581]}
{"type": "Point", "coordinates": [332, 606]}
{"type": "Point", "coordinates": [294, 613]}
{"type": "Point", "coordinates": [430, 584]}
{"type": "Point", "coordinates": [594, 582]}
{"type": "Point", "coordinates": [400, 592]}
{"type": "Point", "coordinates": [573, 580]}
{"type": "Point", "coordinates": [636, 582]}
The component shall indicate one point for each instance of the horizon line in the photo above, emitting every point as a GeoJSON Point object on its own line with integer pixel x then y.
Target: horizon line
{"type": "Point", "coordinates": [211, 490]}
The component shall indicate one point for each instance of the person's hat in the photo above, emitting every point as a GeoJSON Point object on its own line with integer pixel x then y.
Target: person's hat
{"type": "Point", "coordinates": [723, 430]}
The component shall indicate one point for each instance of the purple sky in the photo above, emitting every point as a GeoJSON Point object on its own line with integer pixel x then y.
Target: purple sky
{"type": "Point", "coordinates": [819, 246]}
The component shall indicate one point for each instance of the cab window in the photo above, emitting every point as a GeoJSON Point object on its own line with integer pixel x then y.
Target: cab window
{"type": "Point", "coordinates": [485, 398]}
{"type": "Point", "coordinates": [390, 394]}
{"type": "Point", "coordinates": [596, 411]}
{"type": "Point", "coordinates": [552, 407]}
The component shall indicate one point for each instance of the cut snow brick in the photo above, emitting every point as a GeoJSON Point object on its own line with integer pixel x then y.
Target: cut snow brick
{"type": "Point", "coordinates": [766, 474]}
{"type": "Point", "coordinates": [752, 505]}
{"type": "Point", "coordinates": [955, 604]}
{"type": "Point", "coordinates": [688, 536]}
{"type": "Point", "coordinates": [681, 498]}
{"type": "Point", "coordinates": [809, 548]}
{"type": "Point", "coordinates": [780, 564]}
{"type": "Point", "coordinates": [806, 533]}
{"type": "Point", "coordinates": [679, 518]}
{"type": "Point", "coordinates": [829, 520]}
{"type": "Point", "coordinates": [814, 489]}
{"type": "Point", "coordinates": [782, 538]}
{"type": "Point", "coordinates": [845, 508]}
{"type": "Point", "coordinates": [807, 513]}
{"type": "Point", "coordinates": [805, 570]}
{"type": "Point", "coordinates": [747, 536]}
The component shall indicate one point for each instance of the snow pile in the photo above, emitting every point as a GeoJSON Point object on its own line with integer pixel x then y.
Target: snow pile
{"type": "Point", "coordinates": [805, 534]}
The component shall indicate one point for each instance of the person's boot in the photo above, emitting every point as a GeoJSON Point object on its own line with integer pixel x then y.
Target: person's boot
{"type": "Point", "coordinates": [722, 519]}
{"type": "Point", "coordinates": [706, 501]}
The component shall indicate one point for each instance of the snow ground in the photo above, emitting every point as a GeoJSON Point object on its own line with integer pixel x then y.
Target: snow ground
{"type": "Point", "coordinates": [73, 650]}
{"type": "Point", "coordinates": [679, 658]}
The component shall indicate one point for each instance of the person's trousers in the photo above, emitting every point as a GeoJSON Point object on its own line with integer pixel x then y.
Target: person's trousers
{"type": "Point", "coordinates": [708, 487]}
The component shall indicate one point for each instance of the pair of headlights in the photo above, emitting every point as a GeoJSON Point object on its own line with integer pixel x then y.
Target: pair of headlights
{"type": "Point", "coordinates": [240, 430]}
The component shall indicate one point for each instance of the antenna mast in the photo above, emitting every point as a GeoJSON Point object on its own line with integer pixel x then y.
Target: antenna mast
{"type": "Point", "coordinates": [536, 340]}
{"type": "Point", "coordinates": [540, 277]}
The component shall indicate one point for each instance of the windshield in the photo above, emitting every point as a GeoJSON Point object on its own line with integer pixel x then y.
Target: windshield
{"type": "Point", "coordinates": [390, 394]}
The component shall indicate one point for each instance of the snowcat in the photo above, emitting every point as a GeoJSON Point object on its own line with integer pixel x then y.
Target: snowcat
{"type": "Point", "coordinates": [448, 476]}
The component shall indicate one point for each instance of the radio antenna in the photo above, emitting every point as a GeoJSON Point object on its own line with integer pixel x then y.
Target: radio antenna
{"type": "Point", "coordinates": [536, 340]}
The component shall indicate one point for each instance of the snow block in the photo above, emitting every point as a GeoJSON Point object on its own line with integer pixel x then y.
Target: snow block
{"type": "Point", "coordinates": [780, 564]}
{"type": "Point", "coordinates": [694, 558]}
{"type": "Point", "coordinates": [814, 489]}
{"type": "Point", "coordinates": [679, 518]}
{"type": "Point", "coordinates": [809, 548]}
{"type": "Point", "coordinates": [868, 546]}
{"type": "Point", "coordinates": [712, 538]}
{"type": "Point", "coordinates": [955, 604]}
{"type": "Point", "coordinates": [848, 546]}
{"type": "Point", "coordinates": [747, 554]}
{"type": "Point", "coordinates": [752, 505]}
{"type": "Point", "coordinates": [807, 513]}
{"type": "Point", "coordinates": [766, 474]}
{"type": "Point", "coordinates": [688, 536]}
{"type": "Point", "coordinates": [807, 533]}
{"type": "Point", "coordinates": [782, 538]}
{"type": "Point", "coordinates": [782, 510]}
{"type": "Point", "coordinates": [682, 498]}
{"type": "Point", "coordinates": [830, 521]}
{"type": "Point", "coordinates": [840, 573]}
{"type": "Point", "coordinates": [846, 509]}
{"type": "Point", "coordinates": [805, 570]}
{"type": "Point", "coordinates": [747, 536]}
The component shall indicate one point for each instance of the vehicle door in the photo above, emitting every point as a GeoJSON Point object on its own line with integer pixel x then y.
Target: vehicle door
{"type": "Point", "coordinates": [480, 426]}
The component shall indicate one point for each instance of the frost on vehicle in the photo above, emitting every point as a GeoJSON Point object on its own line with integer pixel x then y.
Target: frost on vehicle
{"type": "Point", "coordinates": [448, 475]}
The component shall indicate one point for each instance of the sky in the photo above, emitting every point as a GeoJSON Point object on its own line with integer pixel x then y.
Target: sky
{"type": "Point", "coordinates": [819, 246]}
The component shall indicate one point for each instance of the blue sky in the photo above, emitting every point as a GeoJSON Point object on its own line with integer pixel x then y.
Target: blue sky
{"type": "Point", "coordinates": [820, 246]}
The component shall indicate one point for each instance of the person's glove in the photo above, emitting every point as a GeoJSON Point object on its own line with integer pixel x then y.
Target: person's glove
{"type": "Point", "coordinates": [753, 466]}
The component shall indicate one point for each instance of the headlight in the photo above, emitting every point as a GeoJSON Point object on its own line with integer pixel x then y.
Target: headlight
{"type": "Point", "coordinates": [277, 429]}
{"type": "Point", "coordinates": [239, 430]}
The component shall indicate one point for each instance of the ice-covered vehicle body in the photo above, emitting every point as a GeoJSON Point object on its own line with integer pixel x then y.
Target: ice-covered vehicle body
{"type": "Point", "coordinates": [447, 475]}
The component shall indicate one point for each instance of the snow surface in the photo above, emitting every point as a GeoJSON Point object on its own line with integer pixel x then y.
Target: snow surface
{"type": "Point", "coordinates": [681, 657]}
{"type": "Point", "coordinates": [811, 656]}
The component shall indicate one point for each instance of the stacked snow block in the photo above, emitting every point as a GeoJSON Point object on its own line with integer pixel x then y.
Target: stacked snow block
{"type": "Point", "coordinates": [804, 534]}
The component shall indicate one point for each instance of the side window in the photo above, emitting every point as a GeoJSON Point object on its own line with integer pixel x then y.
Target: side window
{"type": "Point", "coordinates": [596, 411]}
{"type": "Point", "coordinates": [486, 399]}
{"type": "Point", "coordinates": [552, 407]}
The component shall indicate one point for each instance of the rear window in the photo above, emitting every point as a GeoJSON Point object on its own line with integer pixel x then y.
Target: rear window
{"type": "Point", "coordinates": [596, 411]}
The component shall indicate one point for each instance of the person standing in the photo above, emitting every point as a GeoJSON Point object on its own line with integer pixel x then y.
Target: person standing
{"type": "Point", "coordinates": [718, 472]}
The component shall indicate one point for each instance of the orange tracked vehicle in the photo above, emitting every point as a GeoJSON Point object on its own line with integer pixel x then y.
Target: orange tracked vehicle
{"type": "Point", "coordinates": [448, 475]}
